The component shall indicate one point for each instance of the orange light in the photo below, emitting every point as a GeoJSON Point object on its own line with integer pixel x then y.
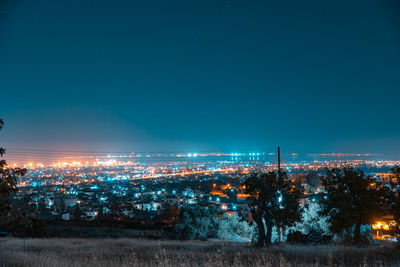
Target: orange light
{"type": "Point", "coordinates": [243, 196]}
{"type": "Point", "coordinates": [380, 225]}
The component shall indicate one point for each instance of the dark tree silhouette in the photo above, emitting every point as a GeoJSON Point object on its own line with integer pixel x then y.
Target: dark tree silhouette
{"type": "Point", "coordinates": [395, 198]}
{"type": "Point", "coordinates": [313, 179]}
{"type": "Point", "coordinates": [352, 199]}
{"type": "Point", "coordinates": [115, 210]}
{"type": "Point", "coordinates": [77, 212]}
{"type": "Point", "coordinates": [276, 200]}
{"type": "Point", "coordinates": [169, 214]}
{"type": "Point", "coordinates": [2, 150]}
{"type": "Point", "coordinates": [8, 188]}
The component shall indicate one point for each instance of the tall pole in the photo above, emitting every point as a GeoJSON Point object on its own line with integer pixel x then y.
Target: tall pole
{"type": "Point", "coordinates": [279, 177]}
{"type": "Point", "coordinates": [279, 162]}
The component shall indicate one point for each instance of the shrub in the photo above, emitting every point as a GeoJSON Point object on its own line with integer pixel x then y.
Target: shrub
{"type": "Point", "coordinates": [232, 227]}
{"type": "Point", "coordinates": [197, 222]}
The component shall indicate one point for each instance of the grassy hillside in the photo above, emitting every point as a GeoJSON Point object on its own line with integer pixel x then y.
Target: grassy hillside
{"type": "Point", "coordinates": [141, 252]}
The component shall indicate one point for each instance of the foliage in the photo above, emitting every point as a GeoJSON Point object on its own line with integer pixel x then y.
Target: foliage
{"type": "Point", "coordinates": [169, 214]}
{"type": "Point", "coordinates": [2, 150]}
{"type": "Point", "coordinates": [197, 222]}
{"type": "Point", "coordinates": [395, 199]}
{"type": "Point", "coordinates": [77, 213]}
{"type": "Point", "coordinates": [313, 179]}
{"type": "Point", "coordinates": [232, 227]}
{"type": "Point", "coordinates": [8, 188]}
{"type": "Point", "coordinates": [312, 221]}
{"type": "Point", "coordinates": [274, 199]}
{"type": "Point", "coordinates": [352, 199]}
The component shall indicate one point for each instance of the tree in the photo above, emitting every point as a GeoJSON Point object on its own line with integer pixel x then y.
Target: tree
{"type": "Point", "coordinates": [352, 199]}
{"type": "Point", "coordinates": [395, 198]}
{"type": "Point", "coordinates": [169, 213]}
{"type": "Point", "coordinates": [313, 179]}
{"type": "Point", "coordinates": [2, 150]}
{"type": "Point", "coordinates": [8, 188]}
{"type": "Point", "coordinates": [115, 210]}
{"type": "Point", "coordinates": [275, 199]}
{"type": "Point", "coordinates": [77, 212]}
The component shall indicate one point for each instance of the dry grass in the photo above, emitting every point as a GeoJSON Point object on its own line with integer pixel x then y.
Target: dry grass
{"type": "Point", "coordinates": [138, 252]}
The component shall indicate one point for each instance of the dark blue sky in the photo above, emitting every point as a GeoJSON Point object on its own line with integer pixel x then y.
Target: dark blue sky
{"type": "Point", "coordinates": [312, 76]}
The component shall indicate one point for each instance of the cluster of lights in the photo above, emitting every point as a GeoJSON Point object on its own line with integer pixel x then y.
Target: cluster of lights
{"type": "Point", "coordinates": [245, 154]}
{"type": "Point", "coordinates": [379, 225]}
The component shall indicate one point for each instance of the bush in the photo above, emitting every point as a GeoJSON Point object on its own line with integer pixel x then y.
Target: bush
{"type": "Point", "coordinates": [232, 227]}
{"type": "Point", "coordinates": [196, 222]}
{"type": "Point", "coordinates": [36, 228]}
{"type": "Point", "coordinates": [312, 221]}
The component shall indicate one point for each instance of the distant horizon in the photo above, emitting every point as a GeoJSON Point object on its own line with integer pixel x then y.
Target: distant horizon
{"type": "Point", "coordinates": [40, 156]}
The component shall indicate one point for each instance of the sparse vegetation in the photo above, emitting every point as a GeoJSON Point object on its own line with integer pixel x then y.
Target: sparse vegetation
{"type": "Point", "coordinates": [140, 252]}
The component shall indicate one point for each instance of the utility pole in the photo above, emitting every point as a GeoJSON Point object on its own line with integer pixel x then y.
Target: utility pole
{"type": "Point", "coordinates": [279, 162]}
{"type": "Point", "coordinates": [279, 177]}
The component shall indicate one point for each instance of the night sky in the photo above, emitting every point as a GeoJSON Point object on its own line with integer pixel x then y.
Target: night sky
{"type": "Point", "coordinates": [93, 75]}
